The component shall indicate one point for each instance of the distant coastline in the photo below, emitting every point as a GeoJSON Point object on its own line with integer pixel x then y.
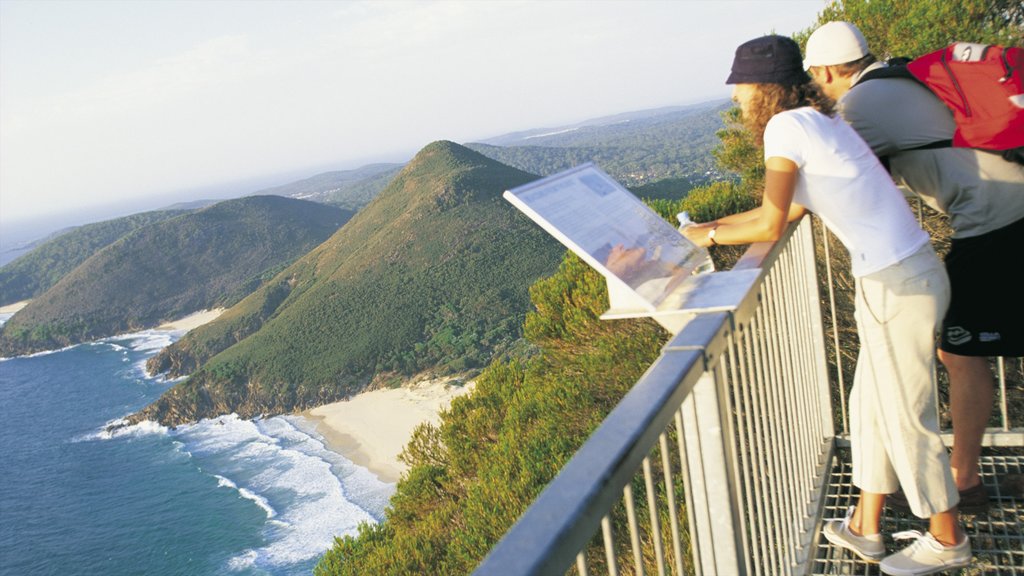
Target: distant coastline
{"type": "Point", "coordinates": [372, 428]}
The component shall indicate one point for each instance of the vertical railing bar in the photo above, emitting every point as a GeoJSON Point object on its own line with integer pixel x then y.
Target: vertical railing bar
{"type": "Point", "coordinates": [820, 400]}
{"type": "Point", "coordinates": [652, 506]}
{"type": "Point", "coordinates": [937, 402]}
{"type": "Point", "coordinates": [790, 459]}
{"type": "Point", "coordinates": [785, 337]}
{"type": "Point", "coordinates": [581, 564]}
{"type": "Point", "coordinates": [794, 384]}
{"type": "Point", "coordinates": [779, 440]}
{"type": "Point", "coordinates": [788, 336]}
{"type": "Point", "coordinates": [779, 443]}
{"type": "Point", "coordinates": [634, 529]}
{"type": "Point", "coordinates": [830, 281]}
{"type": "Point", "coordinates": [807, 297]}
{"type": "Point", "coordinates": [796, 345]}
{"type": "Point", "coordinates": [819, 372]}
{"type": "Point", "coordinates": [771, 516]}
{"type": "Point", "coordinates": [609, 546]}
{"type": "Point", "coordinates": [747, 375]}
{"type": "Point", "coordinates": [684, 469]}
{"type": "Point", "coordinates": [733, 437]}
{"type": "Point", "coordinates": [806, 373]}
{"type": "Point", "coordinates": [733, 357]}
{"type": "Point", "coordinates": [817, 377]}
{"type": "Point", "coordinates": [798, 324]}
{"type": "Point", "coordinates": [1003, 409]}
{"type": "Point", "coordinates": [673, 509]}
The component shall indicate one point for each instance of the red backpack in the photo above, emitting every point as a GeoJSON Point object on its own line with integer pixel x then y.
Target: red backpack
{"type": "Point", "coordinates": [983, 85]}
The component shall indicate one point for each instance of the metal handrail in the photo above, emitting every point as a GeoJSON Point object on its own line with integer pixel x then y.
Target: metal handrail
{"type": "Point", "coordinates": [681, 388]}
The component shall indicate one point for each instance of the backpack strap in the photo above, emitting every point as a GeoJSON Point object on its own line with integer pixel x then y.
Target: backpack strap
{"type": "Point", "coordinates": [897, 68]}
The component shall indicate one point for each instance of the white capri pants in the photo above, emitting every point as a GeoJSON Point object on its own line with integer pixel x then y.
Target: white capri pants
{"type": "Point", "coordinates": [894, 429]}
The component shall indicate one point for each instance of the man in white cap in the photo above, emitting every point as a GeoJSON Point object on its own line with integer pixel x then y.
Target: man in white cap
{"type": "Point", "coordinates": [982, 193]}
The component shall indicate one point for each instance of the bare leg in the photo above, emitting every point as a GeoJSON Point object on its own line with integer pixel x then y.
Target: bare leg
{"type": "Point", "coordinates": [971, 393]}
{"type": "Point", "coordinates": [945, 526]}
{"type": "Point", "coordinates": [867, 518]}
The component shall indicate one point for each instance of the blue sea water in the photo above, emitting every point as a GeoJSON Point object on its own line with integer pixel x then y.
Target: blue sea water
{"type": "Point", "coordinates": [222, 497]}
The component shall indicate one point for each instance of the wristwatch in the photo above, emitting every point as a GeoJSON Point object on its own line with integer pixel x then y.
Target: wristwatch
{"type": "Point", "coordinates": [711, 235]}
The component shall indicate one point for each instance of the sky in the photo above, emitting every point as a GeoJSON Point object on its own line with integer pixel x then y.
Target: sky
{"type": "Point", "coordinates": [120, 106]}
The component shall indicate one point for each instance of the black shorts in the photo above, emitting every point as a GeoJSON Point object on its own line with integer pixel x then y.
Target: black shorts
{"type": "Point", "coordinates": [986, 312]}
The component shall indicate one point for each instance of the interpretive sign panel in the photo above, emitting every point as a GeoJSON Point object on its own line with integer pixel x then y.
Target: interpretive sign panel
{"type": "Point", "coordinates": [613, 231]}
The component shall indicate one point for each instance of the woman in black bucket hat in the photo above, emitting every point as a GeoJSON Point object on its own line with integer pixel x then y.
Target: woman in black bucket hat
{"type": "Point", "coordinates": [815, 162]}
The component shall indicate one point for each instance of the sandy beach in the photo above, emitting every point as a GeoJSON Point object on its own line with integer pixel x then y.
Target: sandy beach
{"type": "Point", "coordinates": [372, 428]}
{"type": "Point", "coordinates": [193, 320]}
{"type": "Point", "coordinates": [12, 308]}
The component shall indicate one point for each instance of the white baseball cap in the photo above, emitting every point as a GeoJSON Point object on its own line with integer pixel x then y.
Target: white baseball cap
{"type": "Point", "coordinates": [835, 43]}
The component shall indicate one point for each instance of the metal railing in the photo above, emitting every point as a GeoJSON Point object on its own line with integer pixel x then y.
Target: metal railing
{"type": "Point", "coordinates": [717, 460]}
{"type": "Point", "coordinates": [733, 418]}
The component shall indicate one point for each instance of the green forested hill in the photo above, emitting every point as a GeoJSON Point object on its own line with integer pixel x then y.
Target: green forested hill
{"type": "Point", "coordinates": [431, 275]}
{"type": "Point", "coordinates": [204, 259]}
{"type": "Point", "coordinates": [635, 149]}
{"type": "Point", "coordinates": [35, 272]}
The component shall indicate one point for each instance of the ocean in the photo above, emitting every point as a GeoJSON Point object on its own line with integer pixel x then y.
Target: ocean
{"type": "Point", "coordinates": [221, 497]}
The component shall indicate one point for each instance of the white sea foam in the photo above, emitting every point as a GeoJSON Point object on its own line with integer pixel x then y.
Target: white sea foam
{"type": "Point", "coordinates": [47, 352]}
{"type": "Point", "coordinates": [143, 341]}
{"type": "Point", "coordinates": [243, 562]}
{"type": "Point", "coordinates": [118, 429]}
{"type": "Point", "coordinates": [310, 494]}
{"type": "Point", "coordinates": [259, 500]}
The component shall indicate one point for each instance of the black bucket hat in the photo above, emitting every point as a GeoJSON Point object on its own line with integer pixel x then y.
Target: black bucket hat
{"type": "Point", "coordinates": [768, 60]}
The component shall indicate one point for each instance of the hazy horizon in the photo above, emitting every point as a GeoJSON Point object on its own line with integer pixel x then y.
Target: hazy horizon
{"type": "Point", "coordinates": [15, 234]}
{"type": "Point", "coordinates": [129, 105]}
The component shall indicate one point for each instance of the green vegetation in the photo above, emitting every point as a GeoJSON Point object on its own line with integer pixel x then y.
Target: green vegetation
{"type": "Point", "coordinates": [672, 145]}
{"type": "Point", "coordinates": [431, 276]}
{"type": "Point", "coordinates": [35, 272]}
{"type": "Point", "coordinates": [198, 260]}
{"type": "Point", "coordinates": [914, 27]}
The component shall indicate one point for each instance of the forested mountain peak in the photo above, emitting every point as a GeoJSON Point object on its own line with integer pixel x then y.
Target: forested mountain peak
{"type": "Point", "coordinates": [432, 275]}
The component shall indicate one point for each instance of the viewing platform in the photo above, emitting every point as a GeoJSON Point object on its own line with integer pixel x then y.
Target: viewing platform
{"type": "Point", "coordinates": [731, 451]}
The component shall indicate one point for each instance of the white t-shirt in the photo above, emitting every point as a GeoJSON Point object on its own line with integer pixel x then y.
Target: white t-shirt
{"type": "Point", "coordinates": [843, 183]}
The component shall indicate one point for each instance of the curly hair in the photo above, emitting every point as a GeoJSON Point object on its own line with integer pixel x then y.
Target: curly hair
{"type": "Point", "coordinates": [770, 99]}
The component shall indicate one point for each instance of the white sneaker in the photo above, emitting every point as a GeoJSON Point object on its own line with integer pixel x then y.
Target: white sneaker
{"type": "Point", "coordinates": [870, 548]}
{"type": "Point", "coordinates": [926, 555]}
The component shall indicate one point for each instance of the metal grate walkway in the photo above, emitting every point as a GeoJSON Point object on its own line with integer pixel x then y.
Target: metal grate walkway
{"type": "Point", "coordinates": [997, 537]}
